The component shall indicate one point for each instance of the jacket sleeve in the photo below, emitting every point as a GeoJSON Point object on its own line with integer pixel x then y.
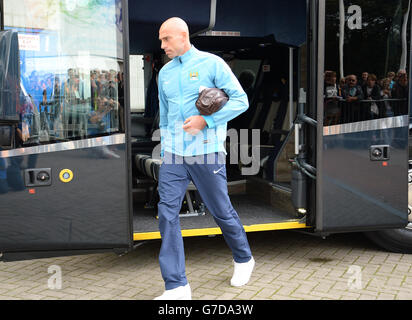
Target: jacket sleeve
{"type": "Point", "coordinates": [238, 100]}
{"type": "Point", "coordinates": [163, 110]}
{"type": "Point", "coordinates": [376, 94]}
{"type": "Point", "coordinates": [359, 93]}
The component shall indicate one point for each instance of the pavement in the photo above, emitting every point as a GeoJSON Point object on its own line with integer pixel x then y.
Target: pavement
{"type": "Point", "coordinates": [289, 265]}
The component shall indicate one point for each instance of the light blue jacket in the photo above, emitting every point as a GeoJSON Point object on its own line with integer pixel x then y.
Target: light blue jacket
{"type": "Point", "coordinates": [179, 82]}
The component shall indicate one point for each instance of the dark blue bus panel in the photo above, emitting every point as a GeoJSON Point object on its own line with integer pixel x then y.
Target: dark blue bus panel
{"type": "Point", "coordinates": [365, 100]}
{"type": "Point", "coordinates": [63, 176]}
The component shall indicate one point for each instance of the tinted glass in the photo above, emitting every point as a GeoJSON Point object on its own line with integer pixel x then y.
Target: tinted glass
{"type": "Point", "coordinates": [1, 14]}
{"type": "Point", "coordinates": [366, 60]}
{"type": "Point", "coordinates": [71, 58]}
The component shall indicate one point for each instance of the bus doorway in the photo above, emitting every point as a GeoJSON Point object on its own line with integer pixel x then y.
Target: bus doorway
{"type": "Point", "coordinates": [260, 142]}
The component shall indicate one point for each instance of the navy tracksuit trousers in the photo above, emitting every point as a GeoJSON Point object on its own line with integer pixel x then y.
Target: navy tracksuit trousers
{"type": "Point", "coordinates": [208, 173]}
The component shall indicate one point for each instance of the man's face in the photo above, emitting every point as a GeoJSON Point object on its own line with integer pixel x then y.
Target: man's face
{"type": "Point", "coordinates": [401, 73]}
{"type": "Point", "coordinates": [330, 80]}
{"type": "Point", "coordinates": [371, 83]}
{"type": "Point", "coordinates": [352, 81]}
{"type": "Point", "coordinates": [365, 76]}
{"type": "Point", "coordinates": [172, 41]}
{"type": "Point", "coordinates": [403, 80]}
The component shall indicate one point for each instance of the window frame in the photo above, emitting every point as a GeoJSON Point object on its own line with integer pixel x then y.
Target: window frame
{"type": "Point", "coordinates": [1, 16]}
{"type": "Point", "coordinates": [121, 121]}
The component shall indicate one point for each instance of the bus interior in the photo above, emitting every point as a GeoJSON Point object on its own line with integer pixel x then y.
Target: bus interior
{"type": "Point", "coordinates": [270, 69]}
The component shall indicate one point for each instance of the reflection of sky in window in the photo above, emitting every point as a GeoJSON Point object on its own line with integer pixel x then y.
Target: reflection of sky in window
{"type": "Point", "coordinates": [46, 14]}
{"type": "Point", "coordinates": [88, 25]}
{"type": "Point", "coordinates": [86, 12]}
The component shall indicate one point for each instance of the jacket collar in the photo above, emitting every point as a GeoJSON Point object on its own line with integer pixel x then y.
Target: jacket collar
{"type": "Point", "coordinates": [187, 55]}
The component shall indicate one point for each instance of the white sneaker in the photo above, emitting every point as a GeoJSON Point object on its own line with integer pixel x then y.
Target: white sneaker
{"type": "Point", "coordinates": [179, 293]}
{"type": "Point", "coordinates": [242, 273]}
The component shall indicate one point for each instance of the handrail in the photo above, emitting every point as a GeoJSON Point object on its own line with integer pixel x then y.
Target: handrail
{"type": "Point", "coordinates": [340, 99]}
{"type": "Point", "coordinates": [306, 168]}
{"type": "Point", "coordinates": [304, 118]}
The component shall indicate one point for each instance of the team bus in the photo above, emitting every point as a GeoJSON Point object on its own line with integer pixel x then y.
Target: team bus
{"type": "Point", "coordinates": [322, 148]}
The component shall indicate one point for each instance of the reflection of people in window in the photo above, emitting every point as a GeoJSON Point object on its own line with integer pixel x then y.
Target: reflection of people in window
{"type": "Point", "coordinates": [386, 94]}
{"type": "Point", "coordinates": [100, 118]}
{"type": "Point", "coordinates": [112, 90]}
{"type": "Point", "coordinates": [74, 108]}
{"type": "Point", "coordinates": [400, 91]}
{"type": "Point", "coordinates": [352, 93]}
{"type": "Point", "coordinates": [70, 88]}
{"type": "Point", "coordinates": [105, 100]}
{"type": "Point", "coordinates": [342, 83]}
{"type": "Point", "coordinates": [331, 89]}
{"type": "Point", "coordinates": [93, 90]}
{"type": "Point", "coordinates": [27, 125]}
{"type": "Point", "coordinates": [113, 102]}
{"type": "Point", "coordinates": [56, 97]}
{"type": "Point", "coordinates": [331, 109]}
{"type": "Point", "coordinates": [102, 86]}
{"type": "Point", "coordinates": [121, 100]}
{"type": "Point", "coordinates": [371, 91]}
{"type": "Point", "coordinates": [35, 89]}
{"type": "Point", "coordinates": [391, 77]}
{"type": "Point", "coordinates": [364, 79]}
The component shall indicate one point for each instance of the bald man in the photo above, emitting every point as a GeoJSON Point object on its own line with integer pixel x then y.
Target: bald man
{"type": "Point", "coordinates": [192, 148]}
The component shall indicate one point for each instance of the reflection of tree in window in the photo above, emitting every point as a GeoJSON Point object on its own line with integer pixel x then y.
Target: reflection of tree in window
{"type": "Point", "coordinates": [376, 48]}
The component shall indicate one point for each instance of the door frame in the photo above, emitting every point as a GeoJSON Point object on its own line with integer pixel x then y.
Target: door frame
{"type": "Point", "coordinates": [314, 110]}
{"type": "Point", "coordinates": [127, 113]}
{"type": "Point", "coordinates": [1, 16]}
{"type": "Point", "coordinates": [318, 14]}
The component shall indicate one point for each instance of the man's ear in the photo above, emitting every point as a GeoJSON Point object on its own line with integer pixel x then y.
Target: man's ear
{"type": "Point", "coordinates": [185, 35]}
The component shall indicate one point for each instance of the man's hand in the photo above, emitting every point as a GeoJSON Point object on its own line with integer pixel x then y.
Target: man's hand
{"type": "Point", "coordinates": [194, 124]}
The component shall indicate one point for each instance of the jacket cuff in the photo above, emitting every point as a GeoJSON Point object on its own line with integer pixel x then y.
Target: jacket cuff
{"type": "Point", "coordinates": [210, 122]}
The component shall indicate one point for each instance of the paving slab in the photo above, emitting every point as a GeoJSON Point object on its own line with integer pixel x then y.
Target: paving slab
{"type": "Point", "coordinates": [289, 265]}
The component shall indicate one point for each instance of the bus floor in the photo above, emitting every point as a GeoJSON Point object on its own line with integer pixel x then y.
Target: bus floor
{"type": "Point", "coordinates": [255, 216]}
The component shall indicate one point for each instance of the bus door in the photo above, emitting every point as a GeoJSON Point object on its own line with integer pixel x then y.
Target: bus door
{"type": "Point", "coordinates": [64, 185]}
{"type": "Point", "coordinates": [362, 103]}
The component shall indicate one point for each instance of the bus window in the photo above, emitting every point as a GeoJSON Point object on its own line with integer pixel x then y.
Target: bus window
{"type": "Point", "coordinates": [137, 82]}
{"type": "Point", "coordinates": [365, 111]}
{"type": "Point", "coordinates": [246, 71]}
{"type": "Point", "coordinates": [366, 69]}
{"type": "Point", "coordinates": [71, 57]}
{"type": "Point", "coordinates": [69, 133]}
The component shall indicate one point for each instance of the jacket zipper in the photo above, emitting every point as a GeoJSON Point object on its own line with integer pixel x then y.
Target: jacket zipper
{"type": "Point", "coordinates": [181, 98]}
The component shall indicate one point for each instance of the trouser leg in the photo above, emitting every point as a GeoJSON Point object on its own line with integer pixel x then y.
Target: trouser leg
{"type": "Point", "coordinates": [173, 182]}
{"type": "Point", "coordinates": [211, 182]}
